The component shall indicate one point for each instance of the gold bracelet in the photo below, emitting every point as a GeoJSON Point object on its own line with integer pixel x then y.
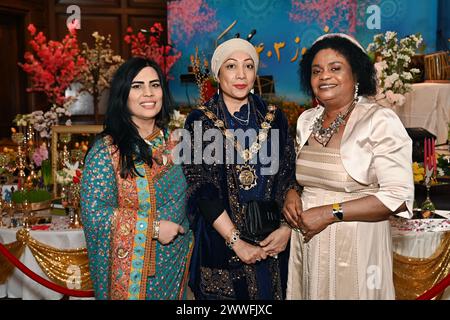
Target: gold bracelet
{"type": "Point", "coordinates": [155, 229]}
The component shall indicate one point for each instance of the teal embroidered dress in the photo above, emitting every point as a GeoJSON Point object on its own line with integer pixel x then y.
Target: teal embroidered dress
{"type": "Point", "coordinates": [118, 214]}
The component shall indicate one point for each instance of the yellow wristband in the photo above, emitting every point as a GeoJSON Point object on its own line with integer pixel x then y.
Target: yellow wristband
{"type": "Point", "coordinates": [337, 211]}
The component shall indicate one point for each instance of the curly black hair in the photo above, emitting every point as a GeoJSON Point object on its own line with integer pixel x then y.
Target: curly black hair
{"type": "Point", "coordinates": [362, 68]}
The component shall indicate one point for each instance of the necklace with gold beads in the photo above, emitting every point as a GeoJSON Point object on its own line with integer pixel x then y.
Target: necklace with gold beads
{"type": "Point", "coordinates": [246, 172]}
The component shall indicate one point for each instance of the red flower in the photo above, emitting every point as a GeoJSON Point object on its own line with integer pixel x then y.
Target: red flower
{"type": "Point", "coordinates": [73, 25]}
{"type": "Point", "coordinates": [152, 47]}
{"type": "Point", "coordinates": [53, 65]}
{"type": "Point", "coordinates": [207, 90]}
{"type": "Point", "coordinates": [76, 180]}
{"type": "Point", "coordinates": [32, 29]}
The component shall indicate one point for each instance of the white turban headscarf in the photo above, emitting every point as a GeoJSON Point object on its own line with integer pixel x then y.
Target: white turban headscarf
{"type": "Point", "coordinates": [226, 49]}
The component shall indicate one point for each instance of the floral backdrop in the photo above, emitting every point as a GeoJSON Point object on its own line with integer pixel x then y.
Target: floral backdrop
{"type": "Point", "coordinates": [283, 30]}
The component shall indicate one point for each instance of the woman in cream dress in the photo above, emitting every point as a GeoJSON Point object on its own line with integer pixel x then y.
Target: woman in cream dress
{"type": "Point", "coordinates": [354, 162]}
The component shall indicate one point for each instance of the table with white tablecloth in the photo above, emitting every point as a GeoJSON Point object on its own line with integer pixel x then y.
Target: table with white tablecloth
{"type": "Point", "coordinates": [427, 106]}
{"type": "Point", "coordinates": [411, 238]}
{"type": "Point", "coordinates": [19, 285]}
{"type": "Point", "coordinates": [420, 238]}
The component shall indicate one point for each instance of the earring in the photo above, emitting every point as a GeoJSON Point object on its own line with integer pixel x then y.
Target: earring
{"type": "Point", "coordinates": [317, 101]}
{"type": "Point", "coordinates": [355, 97]}
{"type": "Point", "coordinates": [252, 91]}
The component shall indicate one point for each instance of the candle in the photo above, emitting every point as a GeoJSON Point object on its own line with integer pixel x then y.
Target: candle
{"type": "Point", "coordinates": [430, 155]}
{"type": "Point", "coordinates": [425, 151]}
{"type": "Point", "coordinates": [433, 148]}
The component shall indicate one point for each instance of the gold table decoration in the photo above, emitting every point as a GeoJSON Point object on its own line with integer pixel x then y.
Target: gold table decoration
{"type": "Point", "coordinates": [36, 206]}
{"type": "Point", "coordinates": [414, 276]}
{"type": "Point", "coordinates": [55, 154]}
{"type": "Point", "coordinates": [57, 264]}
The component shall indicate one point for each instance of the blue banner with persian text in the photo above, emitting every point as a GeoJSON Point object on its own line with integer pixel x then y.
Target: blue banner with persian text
{"type": "Point", "coordinates": [285, 28]}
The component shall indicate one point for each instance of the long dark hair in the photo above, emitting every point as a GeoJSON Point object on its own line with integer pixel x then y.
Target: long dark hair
{"type": "Point", "coordinates": [118, 123]}
{"type": "Point", "coordinates": [359, 61]}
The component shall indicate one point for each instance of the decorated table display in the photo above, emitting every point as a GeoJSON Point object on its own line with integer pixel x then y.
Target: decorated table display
{"type": "Point", "coordinates": [51, 250]}
{"type": "Point", "coordinates": [421, 254]}
{"type": "Point", "coordinates": [432, 188]}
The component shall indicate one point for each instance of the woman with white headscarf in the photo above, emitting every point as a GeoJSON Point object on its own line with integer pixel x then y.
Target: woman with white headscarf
{"type": "Point", "coordinates": [233, 257]}
{"type": "Point", "coordinates": [354, 163]}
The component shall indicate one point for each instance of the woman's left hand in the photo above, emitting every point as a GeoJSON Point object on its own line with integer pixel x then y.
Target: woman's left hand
{"type": "Point", "coordinates": [314, 220]}
{"type": "Point", "coordinates": [276, 241]}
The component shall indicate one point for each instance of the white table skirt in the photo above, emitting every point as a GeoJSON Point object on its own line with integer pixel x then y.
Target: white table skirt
{"type": "Point", "coordinates": [18, 285]}
{"type": "Point", "coordinates": [411, 244]}
{"type": "Point", "coordinates": [420, 245]}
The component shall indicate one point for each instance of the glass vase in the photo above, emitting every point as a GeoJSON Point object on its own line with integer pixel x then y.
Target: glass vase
{"type": "Point", "coordinates": [428, 208]}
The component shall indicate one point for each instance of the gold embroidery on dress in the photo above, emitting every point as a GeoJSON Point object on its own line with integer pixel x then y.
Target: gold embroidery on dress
{"type": "Point", "coordinates": [122, 253]}
{"type": "Point", "coordinates": [216, 281]}
{"type": "Point", "coordinates": [250, 275]}
{"type": "Point", "coordinates": [276, 279]}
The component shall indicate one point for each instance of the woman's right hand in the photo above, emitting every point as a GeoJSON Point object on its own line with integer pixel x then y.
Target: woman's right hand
{"type": "Point", "coordinates": [168, 231]}
{"type": "Point", "coordinates": [248, 253]}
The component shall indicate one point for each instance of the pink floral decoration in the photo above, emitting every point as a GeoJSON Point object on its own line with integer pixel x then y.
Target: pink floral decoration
{"type": "Point", "coordinates": [53, 65]}
{"type": "Point", "coordinates": [40, 154]}
{"type": "Point", "coordinates": [188, 17]}
{"type": "Point", "coordinates": [326, 11]}
{"type": "Point", "coordinates": [151, 47]}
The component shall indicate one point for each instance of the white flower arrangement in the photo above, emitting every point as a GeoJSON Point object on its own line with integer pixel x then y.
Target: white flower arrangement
{"type": "Point", "coordinates": [392, 65]}
{"type": "Point", "coordinates": [177, 120]}
{"type": "Point", "coordinates": [42, 121]}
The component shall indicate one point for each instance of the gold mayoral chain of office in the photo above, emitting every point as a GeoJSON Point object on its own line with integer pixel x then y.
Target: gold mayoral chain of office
{"type": "Point", "coordinates": [246, 173]}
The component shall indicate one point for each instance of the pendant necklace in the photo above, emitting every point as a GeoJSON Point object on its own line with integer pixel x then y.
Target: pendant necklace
{"type": "Point", "coordinates": [246, 172]}
{"type": "Point", "coordinates": [323, 135]}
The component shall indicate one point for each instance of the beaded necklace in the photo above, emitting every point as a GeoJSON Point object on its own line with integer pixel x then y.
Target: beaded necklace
{"type": "Point", "coordinates": [246, 173]}
{"type": "Point", "coordinates": [323, 135]}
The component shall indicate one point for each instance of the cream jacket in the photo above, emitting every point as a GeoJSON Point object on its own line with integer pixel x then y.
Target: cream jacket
{"type": "Point", "coordinates": [375, 148]}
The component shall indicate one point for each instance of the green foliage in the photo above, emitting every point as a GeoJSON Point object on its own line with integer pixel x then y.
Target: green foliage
{"type": "Point", "coordinates": [32, 196]}
{"type": "Point", "coordinates": [443, 164]}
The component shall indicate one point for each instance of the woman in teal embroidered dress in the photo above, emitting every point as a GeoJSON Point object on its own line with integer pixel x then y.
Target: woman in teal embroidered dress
{"type": "Point", "coordinates": [133, 195]}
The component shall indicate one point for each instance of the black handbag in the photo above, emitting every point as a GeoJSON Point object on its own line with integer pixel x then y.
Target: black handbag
{"type": "Point", "coordinates": [261, 218]}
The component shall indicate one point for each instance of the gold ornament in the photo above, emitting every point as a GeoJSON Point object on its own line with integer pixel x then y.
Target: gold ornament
{"type": "Point", "coordinates": [247, 176]}
{"type": "Point", "coordinates": [16, 248]}
{"type": "Point", "coordinates": [62, 266]}
{"type": "Point", "coordinates": [414, 276]}
{"type": "Point", "coordinates": [247, 173]}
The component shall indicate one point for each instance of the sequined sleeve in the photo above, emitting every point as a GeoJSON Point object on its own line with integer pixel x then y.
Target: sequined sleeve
{"type": "Point", "coordinates": [99, 198]}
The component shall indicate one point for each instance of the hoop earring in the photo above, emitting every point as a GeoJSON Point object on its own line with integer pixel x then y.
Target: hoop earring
{"type": "Point", "coordinates": [355, 96]}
